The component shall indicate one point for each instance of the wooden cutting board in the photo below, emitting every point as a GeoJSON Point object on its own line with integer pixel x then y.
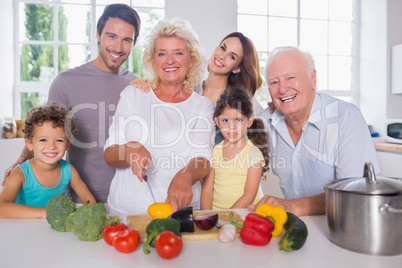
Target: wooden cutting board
{"type": "Point", "coordinates": [140, 221]}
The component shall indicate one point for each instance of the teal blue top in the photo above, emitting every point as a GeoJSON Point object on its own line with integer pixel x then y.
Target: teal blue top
{"type": "Point", "coordinates": [34, 194]}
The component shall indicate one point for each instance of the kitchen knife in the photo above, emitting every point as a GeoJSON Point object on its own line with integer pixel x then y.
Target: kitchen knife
{"type": "Point", "coordinates": [145, 176]}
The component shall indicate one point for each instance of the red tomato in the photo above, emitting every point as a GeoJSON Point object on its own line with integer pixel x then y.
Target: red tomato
{"type": "Point", "coordinates": [127, 240]}
{"type": "Point", "coordinates": [110, 231]}
{"type": "Point", "coordinates": [168, 245]}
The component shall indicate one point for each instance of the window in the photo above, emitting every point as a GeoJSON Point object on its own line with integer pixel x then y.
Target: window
{"type": "Point", "coordinates": [55, 35]}
{"type": "Point", "coordinates": [325, 28]}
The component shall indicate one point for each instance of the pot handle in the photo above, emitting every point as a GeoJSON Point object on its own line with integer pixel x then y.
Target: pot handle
{"type": "Point", "coordinates": [369, 173]}
{"type": "Point", "coordinates": [387, 208]}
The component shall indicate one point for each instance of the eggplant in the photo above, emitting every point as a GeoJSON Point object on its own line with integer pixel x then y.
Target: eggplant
{"type": "Point", "coordinates": [185, 217]}
{"type": "Point", "coordinates": [206, 221]}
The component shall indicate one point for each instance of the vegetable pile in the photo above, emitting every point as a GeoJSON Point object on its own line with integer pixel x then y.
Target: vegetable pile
{"type": "Point", "coordinates": [89, 223]}
{"type": "Point", "coordinates": [86, 222]}
{"type": "Point", "coordinates": [257, 229]}
{"type": "Point", "coordinates": [269, 221]}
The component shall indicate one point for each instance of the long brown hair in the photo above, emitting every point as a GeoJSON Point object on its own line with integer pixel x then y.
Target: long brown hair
{"type": "Point", "coordinates": [242, 101]}
{"type": "Point", "coordinates": [249, 78]}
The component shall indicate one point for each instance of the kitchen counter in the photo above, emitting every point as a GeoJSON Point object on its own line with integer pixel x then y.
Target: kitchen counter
{"type": "Point", "coordinates": [386, 146]}
{"type": "Point", "coordinates": [32, 243]}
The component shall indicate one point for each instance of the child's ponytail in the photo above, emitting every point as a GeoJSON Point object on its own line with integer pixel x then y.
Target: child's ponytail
{"type": "Point", "coordinates": [259, 137]}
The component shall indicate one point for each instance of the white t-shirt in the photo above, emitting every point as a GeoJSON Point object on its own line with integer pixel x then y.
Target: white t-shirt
{"type": "Point", "coordinates": [91, 95]}
{"type": "Point", "coordinates": [173, 133]}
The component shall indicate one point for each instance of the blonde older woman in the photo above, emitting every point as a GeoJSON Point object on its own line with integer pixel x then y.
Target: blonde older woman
{"type": "Point", "coordinates": [165, 133]}
{"type": "Point", "coordinates": [233, 63]}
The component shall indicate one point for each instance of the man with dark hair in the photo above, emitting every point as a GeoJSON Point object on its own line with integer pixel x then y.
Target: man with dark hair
{"type": "Point", "coordinates": [91, 92]}
{"type": "Point", "coordinates": [123, 12]}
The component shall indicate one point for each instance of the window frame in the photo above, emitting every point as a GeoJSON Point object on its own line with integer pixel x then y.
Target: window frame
{"type": "Point", "coordinates": [353, 93]}
{"type": "Point", "coordinates": [43, 87]}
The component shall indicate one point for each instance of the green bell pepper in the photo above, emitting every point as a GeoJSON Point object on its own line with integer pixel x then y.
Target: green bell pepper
{"type": "Point", "coordinates": [157, 226]}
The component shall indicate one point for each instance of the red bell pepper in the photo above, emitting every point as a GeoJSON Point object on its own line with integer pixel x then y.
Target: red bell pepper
{"type": "Point", "coordinates": [256, 229]}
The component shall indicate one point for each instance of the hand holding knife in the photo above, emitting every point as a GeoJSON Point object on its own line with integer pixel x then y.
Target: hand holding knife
{"type": "Point", "coordinates": [145, 176]}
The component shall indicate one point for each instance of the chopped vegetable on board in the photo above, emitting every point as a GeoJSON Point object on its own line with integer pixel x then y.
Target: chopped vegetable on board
{"type": "Point", "coordinates": [206, 221]}
{"type": "Point", "coordinates": [186, 219]}
{"type": "Point", "coordinates": [160, 210]}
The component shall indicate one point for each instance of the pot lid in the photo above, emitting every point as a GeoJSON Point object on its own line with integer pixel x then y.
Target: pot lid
{"type": "Point", "coordinates": [368, 184]}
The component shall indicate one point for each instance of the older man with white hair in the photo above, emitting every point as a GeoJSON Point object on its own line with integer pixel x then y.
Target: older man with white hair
{"type": "Point", "coordinates": [314, 138]}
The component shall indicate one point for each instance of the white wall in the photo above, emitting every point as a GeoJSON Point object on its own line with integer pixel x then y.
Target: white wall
{"type": "Point", "coordinates": [10, 150]}
{"type": "Point", "coordinates": [390, 163]}
{"type": "Point", "coordinates": [7, 58]}
{"type": "Point", "coordinates": [212, 20]}
{"type": "Point", "coordinates": [394, 37]}
{"type": "Point", "coordinates": [380, 30]}
{"type": "Point", "coordinates": [373, 62]}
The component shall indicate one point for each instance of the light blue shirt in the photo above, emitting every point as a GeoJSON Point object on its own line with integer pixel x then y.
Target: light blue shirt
{"type": "Point", "coordinates": [34, 194]}
{"type": "Point", "coordinates": [335, 143]}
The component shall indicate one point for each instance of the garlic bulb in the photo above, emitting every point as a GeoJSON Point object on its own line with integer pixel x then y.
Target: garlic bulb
{"type": "Point", "coordinates": [227, 233]}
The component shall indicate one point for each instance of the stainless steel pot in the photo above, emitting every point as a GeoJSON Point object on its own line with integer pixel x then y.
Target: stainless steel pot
{"type": "Point", "coordinates": [365, 214]}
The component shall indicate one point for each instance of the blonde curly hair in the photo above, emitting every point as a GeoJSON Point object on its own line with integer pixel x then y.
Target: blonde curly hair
{"type": "Point", "coordinates": [179, 28]}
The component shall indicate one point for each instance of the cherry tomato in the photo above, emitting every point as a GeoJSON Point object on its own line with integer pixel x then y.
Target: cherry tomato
{"type": "Point", "coordinates": [110, 231]}
{"type": "Point", "coordinates": [127, 240]}
{"type": "Point", "coordinates": [168, 245]}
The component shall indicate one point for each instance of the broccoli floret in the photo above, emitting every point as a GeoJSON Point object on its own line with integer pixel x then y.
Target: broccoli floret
{"type": "Point", "coordinates": [87, 222]}
{"type": "Point", "coordinates": [58, 209]}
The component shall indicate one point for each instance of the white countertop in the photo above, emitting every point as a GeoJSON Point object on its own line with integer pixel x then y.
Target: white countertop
{"type": "Point", "coordinates": [387, 146]}
{"type": "Point", "coordinates": [32, 243]}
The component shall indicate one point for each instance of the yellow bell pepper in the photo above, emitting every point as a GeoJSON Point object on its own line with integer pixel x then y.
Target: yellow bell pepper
{"type": "Point", "coordinates": [160, 210]}
{"type": "Point", "coordinates": [276, 214]}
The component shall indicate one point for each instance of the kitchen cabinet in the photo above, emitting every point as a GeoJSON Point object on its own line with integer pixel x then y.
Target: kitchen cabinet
{"type": "Point", "coordinates": [10, 150]}
{"type": "Point", "coordinates": [390, 159]}
{"type": "Point", "coordinates": [32, 243]}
